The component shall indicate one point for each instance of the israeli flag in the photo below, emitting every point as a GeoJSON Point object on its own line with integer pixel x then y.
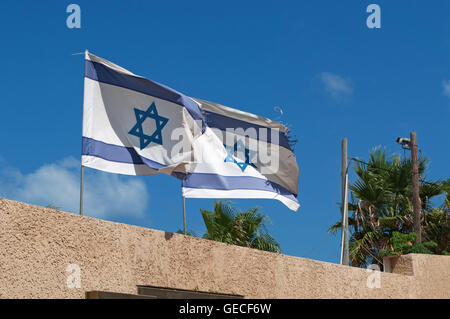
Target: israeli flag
{"type": "Point", "coordinates": [134, 126]}
{"type": "Point", "coordinates": [243, 156]}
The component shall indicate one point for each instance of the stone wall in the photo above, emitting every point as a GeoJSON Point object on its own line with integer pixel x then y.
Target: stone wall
{"type": "Point", "coordinates": [38, 244]}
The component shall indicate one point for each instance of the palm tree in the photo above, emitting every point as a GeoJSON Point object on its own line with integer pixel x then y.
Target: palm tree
{"type": "Point", "coordinates": [226, 224]}
{"type": "Point", "coordinates": [381, 202]}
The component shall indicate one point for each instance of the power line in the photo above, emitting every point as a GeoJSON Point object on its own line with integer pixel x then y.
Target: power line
{"type": "Point", "coordinates": [384, 169]}
{"type": "Point", "coordinates": [370, 253]}
{"type": "Point", "coordinates": [316, 246]}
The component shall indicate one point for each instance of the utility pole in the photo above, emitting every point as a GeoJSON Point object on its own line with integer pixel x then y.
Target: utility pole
{"type": "Point", "coordinates": [344, 205]}
{"type": "Point", "coordinates": [417, 207]}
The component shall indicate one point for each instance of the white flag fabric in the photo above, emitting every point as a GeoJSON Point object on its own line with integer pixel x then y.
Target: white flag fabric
{"type": "Point", "coordinates": [134, 126]}
{"type": "Point", "coordinates": [243, 156]}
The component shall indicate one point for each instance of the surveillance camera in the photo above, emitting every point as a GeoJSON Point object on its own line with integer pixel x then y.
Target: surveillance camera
{"type": "Point", "coordinates": [403, 141]}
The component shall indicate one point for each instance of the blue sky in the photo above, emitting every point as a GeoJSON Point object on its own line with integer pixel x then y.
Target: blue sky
{"type": "Point", "coordinates": [317, 60]}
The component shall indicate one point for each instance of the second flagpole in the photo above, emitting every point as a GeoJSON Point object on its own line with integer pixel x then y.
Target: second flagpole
{"type": "Point", "coordinates": [184, 209]}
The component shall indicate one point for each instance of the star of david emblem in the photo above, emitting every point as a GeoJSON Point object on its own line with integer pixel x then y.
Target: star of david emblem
{"type": "Point", "coordinates": [141, 116]}
{"type": "Point", "coordinates": [239, 146]}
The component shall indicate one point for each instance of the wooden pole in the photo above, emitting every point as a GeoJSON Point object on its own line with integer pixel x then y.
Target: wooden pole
{"type": "Point", "coordinates": [415, 187]}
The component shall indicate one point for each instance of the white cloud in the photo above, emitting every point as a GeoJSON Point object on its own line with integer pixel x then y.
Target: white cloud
{"type": "Point", "coordinates": [58, 184]}
{"type": "Point", "coordinates": [446, 87]}
{"type": "Point", "coordinates": [337, 86]}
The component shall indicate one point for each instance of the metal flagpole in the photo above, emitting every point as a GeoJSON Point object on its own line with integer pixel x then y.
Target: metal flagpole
{"type": "Point", "coordinates": [81, 190]}
{"type": "Point", "coordinates": [346, 239]}
{"type": "Point", "coordinates": [344, 206]}
{"type": "Point", "coordinates": [184, 209]}
{"type": "Point", "coordinates": [82, 167]}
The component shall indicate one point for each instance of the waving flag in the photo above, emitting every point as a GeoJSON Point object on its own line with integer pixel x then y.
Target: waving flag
{"type": "Point", "coordinates": [243, 156]}
{"type": "Point", "coordinates": [134, 126]}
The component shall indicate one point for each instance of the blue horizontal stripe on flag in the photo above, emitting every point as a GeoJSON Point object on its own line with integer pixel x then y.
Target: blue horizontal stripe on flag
{"type": "Point", "coordinates": [221, 182]}
{"type": "Point", "coordinates": [101, 73]}
{"type": "Point", "coordinates": [223, 122]}
{"type": "Point", "coordinates": [116, 153]}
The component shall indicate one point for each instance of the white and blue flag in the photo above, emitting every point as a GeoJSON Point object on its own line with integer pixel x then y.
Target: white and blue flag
{"type": "Point", "coordinates": [134, 126]}
{"type": "Point", "coordinates": [243, 156]}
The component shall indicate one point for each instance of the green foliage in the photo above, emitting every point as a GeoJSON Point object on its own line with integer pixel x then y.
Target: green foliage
{"type": "Point", "coordinates": [436, 228]}
{"type": "Point", "coordinates": [402, 244]}
{"type": "Point", "coordinates": [228, 225]}
{"type": "Point", "coordinates": [381, 204]}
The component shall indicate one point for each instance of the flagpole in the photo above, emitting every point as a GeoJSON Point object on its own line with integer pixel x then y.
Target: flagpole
{"type": "Point", "coordinates": [184, 209]}
{"type": "Point", "coordinates": [344, 206]}
{"type": "Point", "coordinates": [81, 190]}
{"type": "Point", "coordinates": [82, 167]}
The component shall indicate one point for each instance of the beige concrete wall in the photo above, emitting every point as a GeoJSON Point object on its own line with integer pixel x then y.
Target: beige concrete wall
{"type": "Point", "coordinates": [37, 244]}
